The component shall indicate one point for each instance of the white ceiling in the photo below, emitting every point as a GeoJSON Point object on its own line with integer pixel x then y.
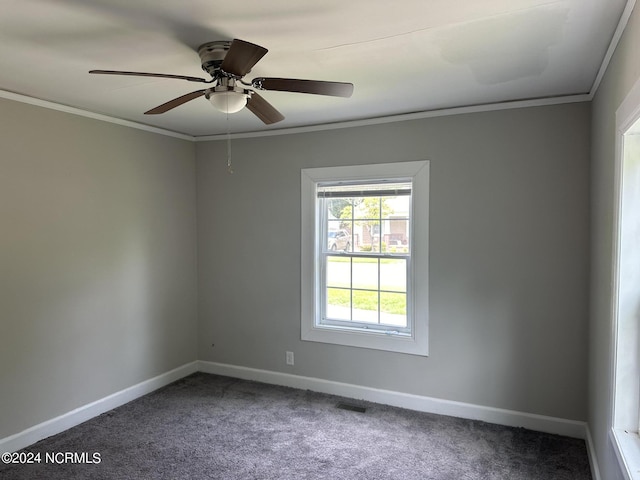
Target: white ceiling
{"type": "Point", "coordinates": [402, 56]}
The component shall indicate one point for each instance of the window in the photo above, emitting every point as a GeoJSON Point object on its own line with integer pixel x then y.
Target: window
{"type": "Point", "coordinates": [364, 262]}
{"type": "Point", "coordinates": [365, 256]}
{"type": "Point", "coordinates": [625, 415]}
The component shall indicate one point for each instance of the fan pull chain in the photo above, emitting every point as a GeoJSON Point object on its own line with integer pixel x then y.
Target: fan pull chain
{"type": "Point", "coordinates": [229, 169]}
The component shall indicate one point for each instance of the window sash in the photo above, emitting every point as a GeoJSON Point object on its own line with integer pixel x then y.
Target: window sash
{"type": "Point", "coordinates": [361, 189]}
{"type": "Point", "coordinates": [324, 319]}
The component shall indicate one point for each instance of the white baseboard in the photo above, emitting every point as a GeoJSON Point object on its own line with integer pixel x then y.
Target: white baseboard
{"type": "Point", "coordinates": [86, 412]}
{"type": "Point", "coordinates": [559, 426]}
{"type": "Point", "coordinates": [541, 423]}
{"type": "Point", "coordinates": [593, 459]}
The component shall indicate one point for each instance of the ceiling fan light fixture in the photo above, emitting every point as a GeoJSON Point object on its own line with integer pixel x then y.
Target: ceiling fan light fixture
{"type": "Point", "coordinates": [228, 101]}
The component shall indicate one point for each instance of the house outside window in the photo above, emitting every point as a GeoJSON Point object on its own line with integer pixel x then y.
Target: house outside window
{"type": "Point", "coordinates": [365, 256]}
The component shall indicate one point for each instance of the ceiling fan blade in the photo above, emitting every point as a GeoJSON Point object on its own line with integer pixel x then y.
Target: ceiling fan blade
{"type": "Point", "coordinates": [176, 102]}
{"type": "Point", "coordinates": [241, 57]}
{"type": "Point", "coordinates": [263, 109]}
{"type": "Point", "coordinates": [145, 74]}
{"type": "Point", "coordinates": [318, 87]}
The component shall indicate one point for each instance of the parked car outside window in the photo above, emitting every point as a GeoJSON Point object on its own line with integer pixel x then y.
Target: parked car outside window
{"type": "Point", "coordinates": [339, 240]}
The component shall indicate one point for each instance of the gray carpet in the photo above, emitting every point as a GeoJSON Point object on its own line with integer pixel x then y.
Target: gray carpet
{"type": "Point", "coordinates": [212, 427]}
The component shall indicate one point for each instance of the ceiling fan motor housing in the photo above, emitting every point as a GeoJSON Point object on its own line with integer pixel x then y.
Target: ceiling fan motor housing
{"type": "Point", "coordinates": [212, 54]}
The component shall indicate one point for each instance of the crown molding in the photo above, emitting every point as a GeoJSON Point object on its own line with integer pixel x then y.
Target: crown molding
{"type": "Point", "coordinates": [489, 107]}
{"type": "Point", "coordinates": [85, 113]}
{"type": "Point", "coordinates": [617, 35]}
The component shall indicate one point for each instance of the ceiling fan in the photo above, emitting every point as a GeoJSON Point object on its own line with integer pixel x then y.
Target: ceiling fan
{"type": "Point", "coordinates": [228, 62]}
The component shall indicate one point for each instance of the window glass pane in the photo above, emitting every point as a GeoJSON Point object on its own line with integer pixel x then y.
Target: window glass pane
{"type": "Point", "coordinates": [365, 273]}
{"type": "Point", "coordinates": [365, 306]}
{"type": "Point", "coordinates": [339, 208]}
{"type": "Point", "coordinates": [366, 208]}
{"type": "Point", "coordinates": [338, 271]}
{"type": "Point", "coordinates": [338, 304]}
{"type": "Point", "coordinates": [396, 207]}
{"type": "Point", "coordinates": [393, 309]}
{"type": "Point", "coordinates": [393, 274]}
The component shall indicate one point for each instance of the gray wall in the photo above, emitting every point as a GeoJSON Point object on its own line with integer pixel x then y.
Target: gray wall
{"type": "Point", "coordinates": [623, 72]}
{"type": "Point", "coordinates": [97, 260]}
{"type": "Point", "coordinates": [509, 254]}
{"type": "Point", "coordinates": [99, 287]}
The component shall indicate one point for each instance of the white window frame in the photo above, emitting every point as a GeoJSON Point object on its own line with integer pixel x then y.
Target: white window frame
{"type": "Point", "coordinates": [625, 364]}
{"type": "Point", "coordinates": [417, 343]}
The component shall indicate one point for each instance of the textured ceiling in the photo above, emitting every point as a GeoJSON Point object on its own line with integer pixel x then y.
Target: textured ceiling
{"type": "Point", "coordinates": [403, 57]}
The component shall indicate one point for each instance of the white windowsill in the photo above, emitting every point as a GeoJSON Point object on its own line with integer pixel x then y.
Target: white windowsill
{"type": "Point", "coordinates": [627, 448]}
{"type": "Point", "coordinates": [374, 340]}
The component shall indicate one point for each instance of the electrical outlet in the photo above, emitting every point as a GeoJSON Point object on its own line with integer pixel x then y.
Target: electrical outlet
{"type": "Point", "coordinates": [289, 358]}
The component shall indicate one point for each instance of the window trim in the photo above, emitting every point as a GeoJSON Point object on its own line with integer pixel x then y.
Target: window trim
{"type": "Point", "coordinates": [415, 344]}
{"type": "Point", "coordinates": [625, 368]}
